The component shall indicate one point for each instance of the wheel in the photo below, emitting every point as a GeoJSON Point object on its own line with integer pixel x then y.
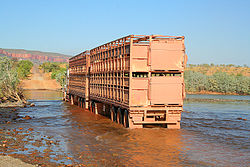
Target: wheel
{"type": "Point", "coordinates": [125, 119]}
{"type": "Point", "coordinates": [83, 103]}
{"type": "Point", "coordinates": [93, 107]}
{"type": "Point", "coordinates": [79, 102]}
{"type": "Point", "coordinates": [119, 116]}
{"type": "Point", "coordinates": [113, 114]}
{"type": "Point", "coordinates": [71, 99]}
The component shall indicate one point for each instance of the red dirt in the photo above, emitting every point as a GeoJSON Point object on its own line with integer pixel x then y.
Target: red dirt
{"type": "Point", "coordinates": [39, 80]}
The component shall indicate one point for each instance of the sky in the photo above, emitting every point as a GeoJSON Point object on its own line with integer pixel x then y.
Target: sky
{"type": "Point", "coordinates": [216, 31]}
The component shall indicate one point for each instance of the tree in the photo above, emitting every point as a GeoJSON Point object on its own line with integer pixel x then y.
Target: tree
{"type": "Point", "coordinates": [9, 80]}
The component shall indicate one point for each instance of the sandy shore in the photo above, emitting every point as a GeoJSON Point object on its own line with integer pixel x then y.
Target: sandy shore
{"type": "Point", "coordinates": [7, 161]}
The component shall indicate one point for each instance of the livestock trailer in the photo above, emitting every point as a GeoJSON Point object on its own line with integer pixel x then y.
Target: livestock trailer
{"type": "Point", "coordinates": [78, 79]}
{"type": "Point", "coordinates": [136, 80]}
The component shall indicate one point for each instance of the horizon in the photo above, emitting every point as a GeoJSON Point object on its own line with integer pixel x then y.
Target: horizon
{"type": "Point", "coordinates": [215, 32]}
{"type": "Point", "coordinates": [210, 64]}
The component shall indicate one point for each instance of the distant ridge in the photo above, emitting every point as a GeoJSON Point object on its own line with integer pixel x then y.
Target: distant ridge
{"type": "Point", "coordinates": [35, 56]}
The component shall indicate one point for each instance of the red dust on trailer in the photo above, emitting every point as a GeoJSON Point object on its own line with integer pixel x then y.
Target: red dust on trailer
{"type": "Point", "coordinates": [136, 80]}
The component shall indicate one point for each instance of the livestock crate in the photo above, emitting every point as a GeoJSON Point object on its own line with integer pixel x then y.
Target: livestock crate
{"type": "Point", "coordinates": [136, 80]}
{"type": "Point", "coordinates": [79, 79]}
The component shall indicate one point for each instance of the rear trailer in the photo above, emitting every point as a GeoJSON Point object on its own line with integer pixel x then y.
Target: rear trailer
{"type": "Point", "coordinates": [78, 80]}
{"type": "Point", "coordinates": [137, 80]}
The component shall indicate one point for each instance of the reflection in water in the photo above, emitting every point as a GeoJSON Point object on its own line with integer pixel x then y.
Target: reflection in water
{"type": "Point", "coordinates": [95, 140]}
{"type": "Point", "coordinates": [115, 145]}
{"type": "Point", "coordinates": [43, 94]}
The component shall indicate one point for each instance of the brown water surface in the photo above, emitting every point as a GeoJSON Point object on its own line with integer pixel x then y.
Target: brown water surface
{"type": "Point", "coordinates": [96, 141]}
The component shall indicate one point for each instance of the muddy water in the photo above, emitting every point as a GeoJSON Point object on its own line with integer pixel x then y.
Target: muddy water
{"type": "Point", "coordinates": [212, 134]}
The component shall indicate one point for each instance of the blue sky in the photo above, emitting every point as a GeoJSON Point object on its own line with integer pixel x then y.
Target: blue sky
{"type": "Point", "coordinates": [216, 31]}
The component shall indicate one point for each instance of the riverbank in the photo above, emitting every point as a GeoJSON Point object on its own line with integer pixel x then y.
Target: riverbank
{"type": "Point", "coordinates": [12, 71]}
{"type": "Point", "coordinates": [36, 81]}
{"type": "Point", "coordinates": [214, 100]}
{"type": "Point", "coordinates": [12, 104]}
{"type": "Point", "coordinates": [213, 93]}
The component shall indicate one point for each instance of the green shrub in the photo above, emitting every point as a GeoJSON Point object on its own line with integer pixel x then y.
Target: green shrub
{"type": "Point", "coordinates": [50, 66]}
{"type": "Point", "coordinates": [58, 73]}
{"type": "Point", "coordinates": [195, 81]}
{"type": "Point", "coordinates": [243, 85]}
{"type": "Point", "coordinates": [218, 82]}
{"type": "Point", "coordinates": [59, 76]}
{"type": "Point", "coordinates": [23, 68]}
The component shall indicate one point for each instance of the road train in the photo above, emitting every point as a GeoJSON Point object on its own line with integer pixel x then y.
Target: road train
{"type": "Point", "coordinates": [136, 80]}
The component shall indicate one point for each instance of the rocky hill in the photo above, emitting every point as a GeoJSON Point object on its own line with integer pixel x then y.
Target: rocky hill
{"type": "Point", "coordinates": [35, 56]}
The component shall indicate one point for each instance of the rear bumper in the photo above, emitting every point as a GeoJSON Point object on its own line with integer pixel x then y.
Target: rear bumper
{"type": "Point", "coordinates": [156, 115]}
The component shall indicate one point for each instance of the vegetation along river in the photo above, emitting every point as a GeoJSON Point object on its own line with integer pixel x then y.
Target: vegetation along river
{"type": "Point", "coordinates": [215, 132]}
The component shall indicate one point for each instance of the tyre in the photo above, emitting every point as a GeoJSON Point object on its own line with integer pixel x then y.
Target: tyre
{"type": "Point", "coordinates": [113, 114]}
{"type": "Point", "coordinates": [93, 107]}
{"type": "Point", "coordinates": [119, 116]}
{"type": "Point", "coordinates": [125, 119]}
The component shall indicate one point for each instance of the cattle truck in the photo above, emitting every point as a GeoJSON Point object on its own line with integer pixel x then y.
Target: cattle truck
{"type": "Point", "coordinates": [136, 80]}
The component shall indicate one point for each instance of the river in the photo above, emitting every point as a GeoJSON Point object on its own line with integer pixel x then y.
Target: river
{"type": "Point", "coordinates": [213, 133]}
